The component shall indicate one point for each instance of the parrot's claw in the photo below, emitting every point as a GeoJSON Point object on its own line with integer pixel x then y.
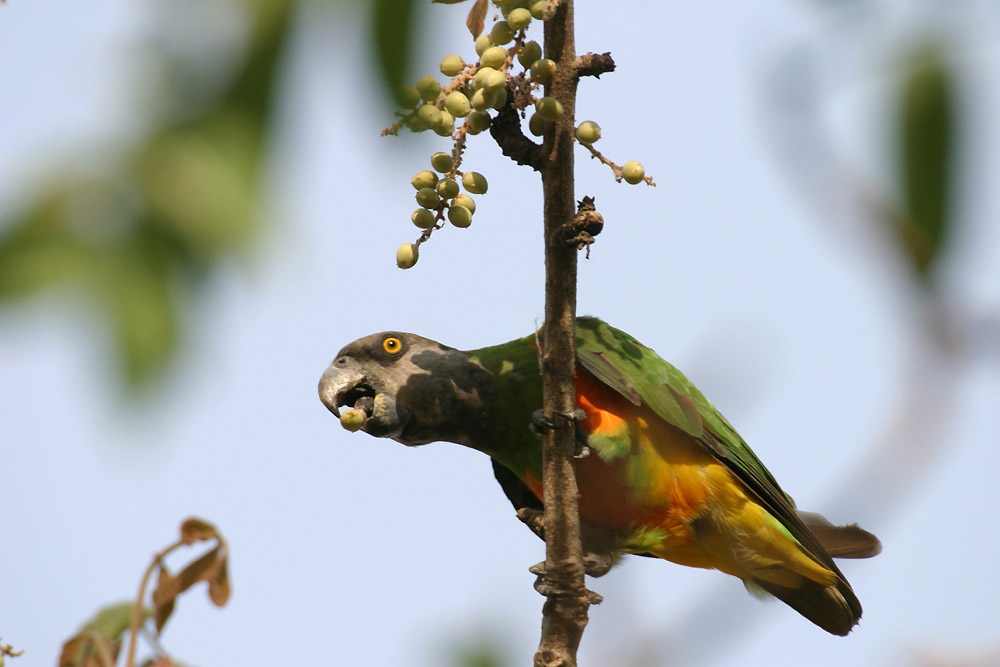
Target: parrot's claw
{"type": "Point", "coordinates": [538, 569]}
{"type": "Point", "coordinates": [542, 424]}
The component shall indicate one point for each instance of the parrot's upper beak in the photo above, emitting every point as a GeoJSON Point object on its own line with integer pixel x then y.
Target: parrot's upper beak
{"type": "Point", "coordinates": [336, 385]}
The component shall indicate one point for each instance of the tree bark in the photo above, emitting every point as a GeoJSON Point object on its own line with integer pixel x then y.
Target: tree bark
{"type": "Point", "coordinates": [564, 614]}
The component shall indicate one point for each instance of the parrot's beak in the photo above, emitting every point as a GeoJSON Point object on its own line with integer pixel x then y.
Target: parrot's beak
{"type": "Point", "coordinates": [336, 384]}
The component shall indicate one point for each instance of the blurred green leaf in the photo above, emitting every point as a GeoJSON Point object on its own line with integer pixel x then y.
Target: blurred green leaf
{"type": "Point", "coordinates": [135, 241]}
{"type": "Point", "coordinates": [392, 36]}
{"type": "Point", "coordinates": [926, 119]}
{"type": "Point", "coordinates": [112, 621]}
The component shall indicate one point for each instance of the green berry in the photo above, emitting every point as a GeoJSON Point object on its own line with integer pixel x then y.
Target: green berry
{"type": "Point", "coordinates": [481, 75]}
{"type": "Point", "coordinates": [633, 172]}
{"type": "Point", "coordinates": [530, 52]}
{"type": "Point", "coordinates": [549, 108]}
{"type": "Point", "coordinates": [542, 70]}
{"type": "Point", "coordinates": [460, 216]}
{"type": "Point", "coordinates": [501, 33]}
{"type": "Point", "coordinates": [501, 99]}
{"type": "Point", "coordinates": [588, 132]}
{"type": "Point", "coordinates": [429, 88]}
{"type": "Point", "coordinates": [446, 125]}
{"type": "Point", "coordinates": [457, 104]}
{"type": "Point", "coordinates": [493, 57]}
{"type": "Point", "coordinates": [506, 6]}
{"type": "Point", "coordinates": [478, 100]}
{"type": "Point", "coordinates": [406, 257]}
{"type": "Point", "coordinates": [536, 125]}
{"type": "Point", "coordinates": [442, 162]}
{"type": "Point", "coordinates": [496, 80]}
{"type": "Point", "coordinates": [447, 188]}
{"type": "Point", "coordinates": [474, 182]}
{"type": "Point", "coordinates": [452, 65]}
{"type": "Point", "coordinates": [482, 43]}
{"type": "Point", "coordinates": [351, 418]}
{"type": "Point", "coordinates": [538, 9]}
{"type": "Point", "coordinates": [424, 179]}
{"type": "Point", "coordinates": [428, 197]}
{"type": "Point", "coordinates": [464, 200]}
{"type": "Point", "coordinates": [423, 218]}
{"type": "Point", "coordinates": [408, 97]}
{"type": "Point", "coordinates": [429, 115]}
{"type": "Point", "coordinates": [478, 121]}
{"type": "Point", "coordinates": [518, 19]}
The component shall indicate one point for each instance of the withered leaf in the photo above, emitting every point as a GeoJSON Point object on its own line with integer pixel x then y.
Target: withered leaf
{"type": "Point", "coordinates": [89, 649]}
{"type": "Point", "coordinates": [196, 530]}
{"type": "Point", "coordinates": [163, 598]}
{"type": "Point", "coordinates": [218, 586]}
{"type": "Point", "coordinates": [477, 17]}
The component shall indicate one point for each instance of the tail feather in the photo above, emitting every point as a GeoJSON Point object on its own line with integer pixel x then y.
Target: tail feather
{"type": "Point", "coordinates": [836, 609]}
{"type": "Point", "coordinates": [849, 541]}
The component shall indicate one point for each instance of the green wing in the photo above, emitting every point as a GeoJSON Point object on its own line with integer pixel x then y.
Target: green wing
{"type": "Point", "coordinates": [644, 378]}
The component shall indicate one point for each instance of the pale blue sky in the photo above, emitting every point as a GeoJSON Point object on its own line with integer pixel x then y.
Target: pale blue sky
{"type": "Point", "coordinates": [348, 550]}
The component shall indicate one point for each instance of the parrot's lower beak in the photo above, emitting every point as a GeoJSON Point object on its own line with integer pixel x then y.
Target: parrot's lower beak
{"type": "Point", "coordinates": [341, 387]}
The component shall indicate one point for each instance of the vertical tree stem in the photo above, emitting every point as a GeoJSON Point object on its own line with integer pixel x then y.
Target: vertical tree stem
{"type": "Point", "coordinates": [564, 617]}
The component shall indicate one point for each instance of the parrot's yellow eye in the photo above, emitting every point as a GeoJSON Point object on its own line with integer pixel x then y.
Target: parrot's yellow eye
{"type": "Point", "coordinates": [392, 345]}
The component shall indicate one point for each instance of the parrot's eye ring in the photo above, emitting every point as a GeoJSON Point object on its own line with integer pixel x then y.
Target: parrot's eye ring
{"type": "Point", "coordinates": [392, 345]}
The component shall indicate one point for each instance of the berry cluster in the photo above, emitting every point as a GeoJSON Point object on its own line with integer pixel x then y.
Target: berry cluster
{"type": "Point", "coordinates": [473, 91]}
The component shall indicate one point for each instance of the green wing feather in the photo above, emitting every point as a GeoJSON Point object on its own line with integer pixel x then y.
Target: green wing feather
{"type": "Point", "coordinates": [644, 378]}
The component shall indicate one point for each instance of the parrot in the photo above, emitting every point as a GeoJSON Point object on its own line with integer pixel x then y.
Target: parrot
{"type": "Point", "coordinates": [661, 473]}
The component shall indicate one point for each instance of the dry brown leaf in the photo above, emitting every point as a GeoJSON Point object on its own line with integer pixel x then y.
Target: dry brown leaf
{"type": "Point", "coordinates": [196, 530]}
{"type": "Point", "coordinates": [218, 586]}
{"type": "Point", "coordinates": [89, 649]}
{"type": "Point", "coordinates": [163, 598]}
{"type": "Point", "coordinates": [477, 17]}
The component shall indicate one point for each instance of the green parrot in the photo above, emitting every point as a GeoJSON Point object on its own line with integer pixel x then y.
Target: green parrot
{"type": "Point", "coordinates": [660, 471]}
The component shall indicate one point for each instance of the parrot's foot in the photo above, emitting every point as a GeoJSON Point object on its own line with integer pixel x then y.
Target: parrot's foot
{"type": "Point", "coordinates": [598, 549]}
{"type": "Point", "coordinates": [543, 588]}
{"type": "Point", "coordinates": [542, 424]}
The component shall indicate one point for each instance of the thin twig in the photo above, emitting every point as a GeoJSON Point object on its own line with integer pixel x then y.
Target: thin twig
{"type": "Point", "coordinates": [137, 608]}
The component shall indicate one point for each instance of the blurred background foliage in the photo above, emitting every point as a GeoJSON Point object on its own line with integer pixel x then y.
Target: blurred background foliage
{"type": "Point", "coordinates": [136, 238]}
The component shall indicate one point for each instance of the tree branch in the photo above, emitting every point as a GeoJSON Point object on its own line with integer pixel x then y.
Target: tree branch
{"type": "Point", "coordinates": [594, 64]}
{"type": "Point", "coordinates": [564, 615]}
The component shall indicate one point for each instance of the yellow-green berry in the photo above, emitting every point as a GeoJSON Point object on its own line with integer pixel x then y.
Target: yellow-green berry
{"type": "Point", "coordinates": [501, 33]}
{"type": "Point", "coordinates": [518, 19]}
{"type": "Point", "coordinates": [353, 419]}
{"type": "Point", "coordinates": [428, 197]}
{"type": "Point", "coordinates": [538, 9]}
{"type": "Point", "coordinates": [446, 125]}
{"type": "Point", "coordinates": [495, 81]}
{"type": "Point", "coordinates": [422, 218]}
{"type": "Point", "coordinates": [457, 104]}
{"type": "Point", "coordinates": [424, 179]}
{"type": "Point", "coordinates": [447, 188]}
{"type": "Point", "coordinates": [464, 200]}
{"type": "Point", "coordinates": [588, 132]}
{"type": "Point", "coordinates": [549, 108]}
{"type": "Point", "coordinates": [408, 97]}
{"type": "Point", "coordinates": [479, 101]}
{"type": "Point", "coordinates": [474, 182]}
{"type": "Point", "coordinates": [482, 43]}
{"type": "Point", "coordinates": [501, 99]}
{"type": "Point", "coordinates": [460, 216]}
{"type": "Point", "coordinates": [442, 162]}
{"type": "Point", "coordinates": [478, 121]}
{"type": "Point", "coordinates": [429, 115]}
{"type": "Point", "coordinates": [633, 172]}
{"type": "Point", "coordinates": [530, 52]}
{"type": "Point", "coordinates": [493, 57]}
{"type": "Point", "coordinates": [429, 88]}
{"type": "Point", "coordinates": [452, 65]}
{"type": "Point", "coordinates": [482, 74]}
{"type": "Point", "coordinates": [406, 255]}
{"type": "Point", "coordinates": [542, 69]}
{"type": "Point", "coordinates": [536, 125]}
